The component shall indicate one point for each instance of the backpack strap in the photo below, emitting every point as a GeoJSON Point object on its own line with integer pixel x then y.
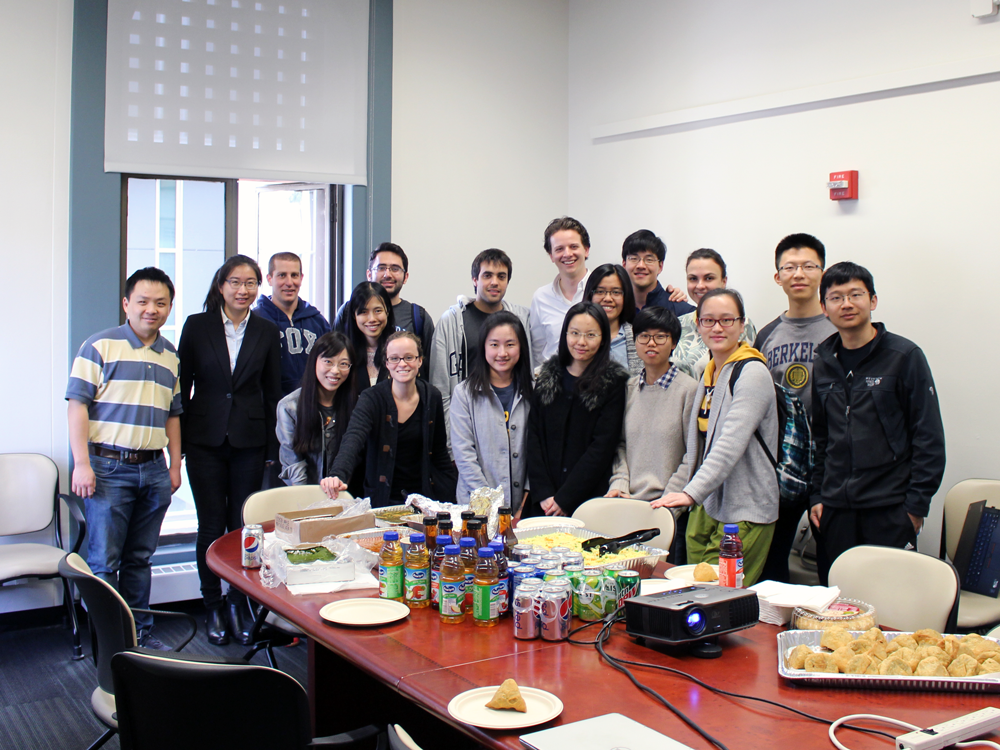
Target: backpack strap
{"type": "Point", "coordinates": [733, 377]}
{"type": "Point", "coordinates": [418, 320]}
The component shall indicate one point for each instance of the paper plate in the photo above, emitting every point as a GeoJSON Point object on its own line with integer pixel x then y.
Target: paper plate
{"type": "Point", "coordinates": [364, 611]}
{"type": "Point", "coordinates": [527, 523]}
{"type": "Point", "coordinates": [686, 573]}
{"type": "Point", "coordinates": [470, 707]}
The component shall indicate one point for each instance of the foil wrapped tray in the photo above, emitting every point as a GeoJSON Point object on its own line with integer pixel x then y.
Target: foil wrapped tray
{"type": "Point", "coordinates": [789, 639]}
{"type": "Point", "coordinates": [644, 564]}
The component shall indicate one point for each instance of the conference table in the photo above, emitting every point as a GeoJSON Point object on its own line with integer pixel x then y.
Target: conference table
{"type": "Point", "coordinates": [407, 672]}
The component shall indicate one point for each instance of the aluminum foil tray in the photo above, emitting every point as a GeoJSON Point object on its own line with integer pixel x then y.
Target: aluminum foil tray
{"type": "Point", "coordinates": [643, 564]}
{"type": "Point", "coordinates": [789, 639]}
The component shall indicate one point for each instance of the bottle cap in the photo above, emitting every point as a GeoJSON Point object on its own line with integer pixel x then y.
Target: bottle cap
{"type": "Point", "coordinates": [486, 552]}
{"type": "Point", "coordinates": [505, 510]}
{"type": "Point", "coordinates": [443, 540]}
{"type": "Point", "coordinates": [451, 549]}
{"type": "Point", "coordinates": [467, 514]}
{"type": "Point", "coordinates": [417, 538]}
{"type": "Point", "coordinates": [475, 524]}
{"type": "Point", "coordinates": [731, 528]}
{"type": "Point", "coordinates": [497, 545]}
{"type": "Point", "coordinates": [430, 520]}
{"type": "Point", "coordinates": [467, 541]}
{"type": "Point", "coordinates": [390, 536]}
{"type": "Point", "coordinates": [445, 525]}
{"type": "Point", "coordinates": [444, 516]}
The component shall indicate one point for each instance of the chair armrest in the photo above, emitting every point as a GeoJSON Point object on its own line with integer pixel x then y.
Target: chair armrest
{"type": "Point", "coordinates": [199, 658]}
{"type": "Point", "coordinates": [81, 522]}
{"type": "Point", "coordinates": [191, 623]}
{"type": "Point", "coordinates": [346, 739]}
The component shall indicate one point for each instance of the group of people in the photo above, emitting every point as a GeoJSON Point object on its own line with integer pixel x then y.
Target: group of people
{"type": "Point", "coordinates": [608, 385]}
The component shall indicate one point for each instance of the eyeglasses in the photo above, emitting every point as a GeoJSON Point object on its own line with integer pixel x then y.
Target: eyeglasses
{"type": "Point", "coordinates": [789, 268]}
{"type": "Point", "coordinates": [615, 293]}
{"type": "Point", "coordinates": [395, 270]}
{"type": "Point", "coordinates": [235, 284]}
{"type": "Point", "coordinates": [724, 322]}
{"type": "Point", "coordinates": [576, 335]}
{"type": "Point", "coordinates": [342, 366]}
{"type": "Point", "coordinates": [854, 297]}
{"type": "Point", "coordinates": [659, 338]}
{"type": "Point", "coordinates": [645, 260]}
{"type": "Point", "coordinates": [409, 359]}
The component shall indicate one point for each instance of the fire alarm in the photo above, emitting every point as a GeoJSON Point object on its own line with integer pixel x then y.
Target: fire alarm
{"type": "Point", "coordinates": [843, 185]}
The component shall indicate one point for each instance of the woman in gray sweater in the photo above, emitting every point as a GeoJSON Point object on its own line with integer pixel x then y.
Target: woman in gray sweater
{"type": "Point", "coordinates": [731, 478]}
{"type": "Point", "coordinates": [489, 413]}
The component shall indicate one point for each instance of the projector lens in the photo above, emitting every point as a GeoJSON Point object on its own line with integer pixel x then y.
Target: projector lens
{"type": "Point", "coordinates": [695, 621]}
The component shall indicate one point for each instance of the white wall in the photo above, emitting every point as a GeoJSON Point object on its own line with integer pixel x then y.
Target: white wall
{"type": "Point", "coordinates": [479, 149]}
{"type": "Point", "coordinates": [925, 224]}
{"type": "Point", "coordinates": [35, 48]}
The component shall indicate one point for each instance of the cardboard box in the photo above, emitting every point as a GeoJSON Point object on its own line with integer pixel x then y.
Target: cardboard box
{"type": "Point", "coordinates": [300, 526]}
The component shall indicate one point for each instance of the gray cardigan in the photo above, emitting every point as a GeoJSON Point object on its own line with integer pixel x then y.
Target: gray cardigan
{"type": "Point", "coordinates": [733, 479]}
{"type": "Point", "coordinates": [295, 468]}
{"type": "Point", "coordinates": [488, 453]}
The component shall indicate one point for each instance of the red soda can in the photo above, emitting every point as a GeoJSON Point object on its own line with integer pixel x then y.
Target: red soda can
{"type": "Point", "coordinates": [253, 545]}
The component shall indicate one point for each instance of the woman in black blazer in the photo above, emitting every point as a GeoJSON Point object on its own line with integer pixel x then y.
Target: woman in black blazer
{"type": "Point", "coordinates": [575, 420]}
{"type": "Point", "coordinates": [232, 359]}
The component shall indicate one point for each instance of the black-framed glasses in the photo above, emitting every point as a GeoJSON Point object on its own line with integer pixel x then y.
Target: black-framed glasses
{"type": "Point", "coordinates": [382, 268]}
{"type": "Point", "coordinates": [408, 358]}
{"type": "Point", "coordinates": [659, 338]}
{"type": "Point", "coordinates": [789, 268]}
{"type": "Point", "coordinates": [724, 322]}
{"type": "Point", "coordinates": [614, 293]}
{"type": "Point", "coordinates": [838, 299]}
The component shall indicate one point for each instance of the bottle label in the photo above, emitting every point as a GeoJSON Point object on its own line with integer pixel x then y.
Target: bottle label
{"type": "Point", "coordinates": [452, 598]}
{"type": "Point", "coordinates": [731, 572]}
{"type": "Point", "coordinates": [469, 586]}
{"type": "Point", "coordinates": [415, 584]}
{"type": "Point", "coordinates": [390, 581]}
{"type": "Point", "coordinates": [486, 601]}
{"type": "Point", "coordinates": [435, 586]}
{"type": "Point", "coordinates": [504, 602]}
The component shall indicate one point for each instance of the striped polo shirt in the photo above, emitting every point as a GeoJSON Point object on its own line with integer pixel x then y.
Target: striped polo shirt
{"type": "Point", "coordinates": [130, 388]}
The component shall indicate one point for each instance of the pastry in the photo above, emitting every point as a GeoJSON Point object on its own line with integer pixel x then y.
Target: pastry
{"type": "Point", "coordinates": [508, 698]}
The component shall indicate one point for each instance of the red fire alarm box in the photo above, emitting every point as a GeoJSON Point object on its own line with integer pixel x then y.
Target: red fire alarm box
{"type": "Point", "coordinates": [843, 185]}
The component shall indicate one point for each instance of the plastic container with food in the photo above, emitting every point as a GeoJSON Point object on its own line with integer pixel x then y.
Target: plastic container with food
{"type": "Point", "coordinates": [850, 614]}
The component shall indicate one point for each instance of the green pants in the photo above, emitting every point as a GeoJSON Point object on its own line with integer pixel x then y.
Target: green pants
{"type": "Point", "coordinates": [704, 535]}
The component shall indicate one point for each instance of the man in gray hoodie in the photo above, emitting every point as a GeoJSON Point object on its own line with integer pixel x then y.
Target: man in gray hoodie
{"type": "Point", "coordinates": [456, 336]}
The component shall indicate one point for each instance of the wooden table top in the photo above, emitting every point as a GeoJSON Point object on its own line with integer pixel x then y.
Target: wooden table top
{"type": "Point", "coordinates": [430, 663]}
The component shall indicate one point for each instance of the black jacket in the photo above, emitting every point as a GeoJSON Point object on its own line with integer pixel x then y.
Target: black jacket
{"type": "Point", "coordinates": [375, 421]}
{"type": "Point", "coordinates": [572, 440]}
{"type": "Point", "coordinates": [241, 403]}
{"type": "Point", "coordinates": [879, 436]}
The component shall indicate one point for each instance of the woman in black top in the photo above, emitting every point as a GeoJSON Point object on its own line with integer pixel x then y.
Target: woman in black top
{"type": "Point", "coordinates": [402, 422]}
{"type": "Point", "coordinates": [367, 322]}
{"type": "Point", "coordinates": [230, 377]}
{"type": "Point", "coordinates": [575, 421]}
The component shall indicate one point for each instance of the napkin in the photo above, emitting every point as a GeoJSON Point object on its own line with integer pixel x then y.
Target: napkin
{"type": "Point", "coordinates": [778, 600]}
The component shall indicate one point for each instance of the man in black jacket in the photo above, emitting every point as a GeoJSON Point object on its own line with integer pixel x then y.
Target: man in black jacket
{"type": "Point", "coordinates": [876, 422]}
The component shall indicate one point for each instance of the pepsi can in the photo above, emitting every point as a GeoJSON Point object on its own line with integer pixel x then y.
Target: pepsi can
{"type": "Point", "coordinates": [525, 618]}
{"type": "Point", "coordinates": [544, 568]}
{"type": "Point", "coordinates": [253, 545]}
{"type": "Point", "coordinates": [519, 573]}
{"type": "Point", "coordinates": [556, 605]}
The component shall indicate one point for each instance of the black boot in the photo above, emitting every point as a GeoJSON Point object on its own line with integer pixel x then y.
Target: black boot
{"type": "Point", "coordinates": [215, 624]}
{"type": "Point", "coordinates": [237, 629]}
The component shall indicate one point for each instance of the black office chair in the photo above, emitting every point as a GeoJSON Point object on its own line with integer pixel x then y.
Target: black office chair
{"type": "Point", "coordinates": [171, 701]}
{"type": "Point", "coordinates": [112, 628]}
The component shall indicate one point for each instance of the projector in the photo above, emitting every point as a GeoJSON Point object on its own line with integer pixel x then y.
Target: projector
{"type": "Point", "coordinates": [691, 614]}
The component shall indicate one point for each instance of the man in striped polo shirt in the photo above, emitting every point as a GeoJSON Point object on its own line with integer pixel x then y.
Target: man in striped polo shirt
{"type": "Point", "coordinates": [124, 409]}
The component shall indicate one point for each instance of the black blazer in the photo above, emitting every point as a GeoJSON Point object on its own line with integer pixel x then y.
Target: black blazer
{"type": "Point", "coordinates": [374, 423]}
{"type": "Point", "coordinates": [241, 404]}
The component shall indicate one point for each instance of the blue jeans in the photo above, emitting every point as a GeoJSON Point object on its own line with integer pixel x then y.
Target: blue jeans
{"type": "Point", "coordinates": [123, 526]}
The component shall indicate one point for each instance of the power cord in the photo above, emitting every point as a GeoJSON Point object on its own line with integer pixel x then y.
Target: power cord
{"type": "Point", "coordinates": [896, 723]}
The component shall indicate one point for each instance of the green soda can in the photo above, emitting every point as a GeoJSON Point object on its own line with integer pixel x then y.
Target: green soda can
{"type": "Point", "coordinates": [575, 574]}
{"type": "Point", "coordinates": [589, 597]}
{"type": "Point", "coordinates": [610, 591]}
{"type": "Point", "coordinates": [628, 585]}
{"type": "Point", "coordinates": [555, 575]}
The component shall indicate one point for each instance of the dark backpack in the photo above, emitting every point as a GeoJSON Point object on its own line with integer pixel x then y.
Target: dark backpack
{"type": "Point", "coordinates": [796, 457]}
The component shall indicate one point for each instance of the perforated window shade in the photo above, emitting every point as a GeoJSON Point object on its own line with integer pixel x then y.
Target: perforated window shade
{"type": "Point", "coordinates": [237, 88]}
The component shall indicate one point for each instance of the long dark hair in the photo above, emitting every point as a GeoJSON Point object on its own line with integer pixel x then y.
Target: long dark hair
{"type": "Point", "coordinates": [598, 275]}
{"type": "Point", "coordinates": [214, 301]}
{"type": "Point", "coordinates": [307, 437]}
{"type": "Point", "coordinates": [479, 376]}
{"type": "Point", "coordinates": [362, 294]}
{"type": "Point", "coordinates": [592, 376]}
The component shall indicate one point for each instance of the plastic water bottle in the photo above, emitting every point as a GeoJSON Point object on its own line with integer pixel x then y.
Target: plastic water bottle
{"type": "Point", "coordinates": [437, 558]}
{"type": "Point", "coordinates": [469, 560]}
{"type": "Point", "coordinates": [486, 590]}
{"type": "Point", "coordinates": [390, 568]}
{"type": "Point", "coordinates": [503, 573]}
{"type": "Point", "coordinates": [731, 557]}
{"type": "Point", "coordinates": [416, 573]}
{"type": "Point", "coordinates": [452, 595]}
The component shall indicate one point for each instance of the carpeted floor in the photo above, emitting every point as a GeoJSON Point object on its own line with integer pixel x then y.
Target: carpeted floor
{"type": "Point", "coordinates": [45, 696]}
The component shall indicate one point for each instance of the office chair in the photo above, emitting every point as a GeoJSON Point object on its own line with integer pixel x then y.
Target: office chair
{"type": "Point", "coordinates": [113, 630]}
{"type": "Point", "coordinates": [30, 502]}
{"type": "Point", "coordinates": [909, 590]}
{"type": "Point", "coordinates": [975, 611]}
{"type": "Point", "coordinates": [168, 701]}
{"type": "Point", "coordinates": [614, 516]}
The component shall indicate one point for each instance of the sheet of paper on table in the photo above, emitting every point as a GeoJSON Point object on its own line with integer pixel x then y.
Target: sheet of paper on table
{"type": "Point", "coordinates": [601, 733]}
{"type": "Point", "coordinates": [778, 600]}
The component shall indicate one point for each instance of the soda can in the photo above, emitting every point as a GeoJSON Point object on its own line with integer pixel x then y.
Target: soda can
{"type": "Point", "coordinates": [539, 551]}
{"type": "Point", "coordinates": [554, 559]}
{"type": "Point", "coordinates": [544, 567]}
{"type": "Point", "coordinates": [519, 573]}
{"type": "Point", "coordinates": [555, 612]}
{"type": "Point", "coordinates": [253, 545]}
{"type": "Point", "coordinates": [559, 551]}
{"type": "Point", "coordinates": [555, 575]}
{"type": "Point", "coordinates": [610, 591]}
{"type": "Point", "coordinates": [519, 551]}
{"type": "Point", "coordinates": [530, 560]}
{"type": "Point", "coordinates": [574, 574]}
{"type": "Point", "coordinates": [526, 626]}
{"type": "Point", "coordinates": [628, 585]}
{"type": "Point", "coordinates": [572, 558]}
